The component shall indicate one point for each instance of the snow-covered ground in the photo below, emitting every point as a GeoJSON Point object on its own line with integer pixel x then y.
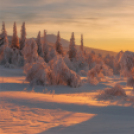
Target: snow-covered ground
{"type": "Point", "coordinates": [61, 109]}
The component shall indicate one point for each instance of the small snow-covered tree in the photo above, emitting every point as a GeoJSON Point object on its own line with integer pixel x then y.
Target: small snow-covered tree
{"type": "Point", "coordinates": [126, 63]}
{"type": "Point", "coordinates": [95, 74]}
{"type": "Point", "coordinates": [58, 45]}
{"type": "Point", "coordinates": [109, 60]}
{"type": "Point", "coordinates": [30, 52]}
{"type": "Point", "coordinates": [15, 39]}
{"type": "Point", "coordinates": [91, 59]}
{"type": "Point", "coordinates": [23, 36]}
{"type": "Point", "coordinates": [72, 49]}
{"type": "Point", "coordinates": [81, 62]}
{"type": "Point", "coordinates": [117, 59]}
{"type": "Point", "coordinates": [99, 59]}
{"type": "Point", "coordinates": [52, 53]}
{"type": "Point", "coordinates": [40, 46]}
{"type": "Point", "coordinates": [81, 46]}
{"type": "Point", "coordinates": [69, 63]}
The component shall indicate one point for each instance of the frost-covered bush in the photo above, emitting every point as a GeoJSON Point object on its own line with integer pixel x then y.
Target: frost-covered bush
{"type": "Point", "coordinates": [36, 73]}
{"type": "Point", "coordinates": [80, 62]}
{"type": "Point", "coordinates": [52, 54]}
{"type": "Point", "coordinates": [12, 56]}
{"type": "Point", "coordinates": [107, 71]}
{"type": "Point", "coordinates": [55, 72]}
{"type": "Point", "coordinates": [117, 90]}
{"type": "Point", "coordinates": [109, 61]}
{"type": "Point", "coordinates": [91, 59]}
{"type": "Point", "coordinates": [62, 74]}
{"type": "Point", "coordinates": [17, 58]}
{"type": "Point", "coordinates": [94, 75]}
{"type": "Point", "coordinates": [130, 82]}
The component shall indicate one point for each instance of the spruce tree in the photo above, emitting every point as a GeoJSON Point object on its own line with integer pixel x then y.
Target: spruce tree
{"type": "Point", "coordinates": [72, 48]}
{"type": "Point", "coordinates": [39, 43]}
{"type": "Point", "coordinates": [15, 39]}
{"type": "Point", "coordinates": [45, 48]}
{"type": "Point", "coordinates": [3, 36]}
{"type": "Point", "coordinates": [81, 46]}
{"type": "Point", "coordinates": [58, 45]}
{"type": "Point", "coordinates": [23, 36]}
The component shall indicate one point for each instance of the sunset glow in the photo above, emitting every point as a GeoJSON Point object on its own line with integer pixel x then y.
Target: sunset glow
{"type": "Point", "coordinates": [105, 24]}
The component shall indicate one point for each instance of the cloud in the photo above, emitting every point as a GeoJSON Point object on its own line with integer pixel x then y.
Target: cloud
{"type": "Point", "coordinates": [97, 16]}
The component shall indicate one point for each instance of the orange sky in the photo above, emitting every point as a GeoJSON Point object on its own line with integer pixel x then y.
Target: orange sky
{"type": "Point", "coordinates": [105, 24]}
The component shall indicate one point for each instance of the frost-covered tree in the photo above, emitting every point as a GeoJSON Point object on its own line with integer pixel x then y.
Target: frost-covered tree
{"type": "Point", "coordinates": [3, 36]}
{"type": "Point", "coordinates": [23, 36]}
{"type": "Point", "coordinates": [81, 46]}
{"type": "Point", "coordinates": [72, 48]}
{"type": "Point", "coordinates": [15, 39]}
{"type": "Point", "coordinates": [126, 63]}
{"type": "Point", "coordinates": [117, 59]}
{"type": "Point", "coordinates": [58, 45]}
{"type": "Point", "coordinates": [91, 59]}
{"type": "Point", "coordinates": [30, 51]}
{"type": "Point", "coordinates": [40, 46]}
{"type": "Point", "coordinates": [81, 62]}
